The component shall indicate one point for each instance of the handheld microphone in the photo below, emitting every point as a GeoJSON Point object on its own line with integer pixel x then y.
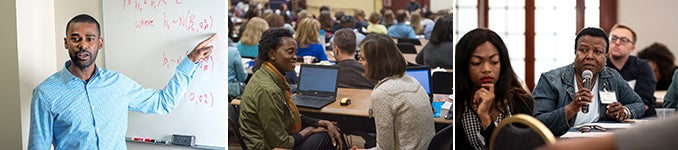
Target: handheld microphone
{"type": "Point", "coordinates": [587, 75]}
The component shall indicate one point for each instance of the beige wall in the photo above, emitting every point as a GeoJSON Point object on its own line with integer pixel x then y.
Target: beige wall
{"type": "Point", "coordinates": [369, 6]}
{"type": "Point", "coordinates": [27, 61]}
{"type": "Point", "coordinates": [652, 21]}
{"type": "Point", "coordinates": [10, 110]}
{"type": "Point", "coordinates": [32, 37]}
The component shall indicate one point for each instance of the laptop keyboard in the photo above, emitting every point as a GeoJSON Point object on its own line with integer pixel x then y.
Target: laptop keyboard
{"type": "Point", "coordinates": [312, 101]}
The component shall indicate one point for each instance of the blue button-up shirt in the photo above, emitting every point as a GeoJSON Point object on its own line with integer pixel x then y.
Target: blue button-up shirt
{"type": "Point", "coordinates": [73, 114]}
{"type": "Point", "coordinates": [401, 30]}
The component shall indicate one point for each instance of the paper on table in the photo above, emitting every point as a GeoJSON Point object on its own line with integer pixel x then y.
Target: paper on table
{"type": "Point", "coordinates": [447, 105]}
{"type": "Point", "coordinates": [584, 134]}
{"type": "Point", "coordinates": [610, 125]}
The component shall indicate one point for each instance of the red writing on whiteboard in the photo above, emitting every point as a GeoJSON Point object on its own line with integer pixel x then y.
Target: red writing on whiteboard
{"type": "Point", "coordinates": [188, 22]}
{"type": "Point", "coordinates": [201, 98]}
{"type": "Point", "coordinates": [144, 23]}
{"type": "Point", "coordinates": [207, 65]}
{"type": "Point", "coordinates": [140, 4]}
{"type": "Point", "coordinates": [167, 62]}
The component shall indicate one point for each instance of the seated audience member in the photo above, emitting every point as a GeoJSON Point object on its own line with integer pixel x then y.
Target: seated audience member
{"type": "Point", "coordinates": [671, 97]}
{"type": "Point", "coordinates": [236, 73]}
{"type": "Point", "coordinates": [347, 22]}
{"type": "Point", "coordinates": [657, 135]}
{"type": "Point", "coordinates": [415, 23]}
{"type": "Point", "coordinates": [661, 60]}
{"type": "Point", "coordinates": [307, 38]}
{"type": "Point", "coordinates": [350, 71]}
{"type": "Point", "coordinates": [252, 12]}
{"type": "Point", "coordinates": [278, 21]}
{"type": "Point", "coordinates": [487, 88]}
{"type": "Point", "coordinates": [268, 117]}
{"type": "Point", "coordinates": [301, 15]}
{"type": "Point", "coordinates": [285, 12]}
{"type": "Point", "coordinates": [399, 104]}
{"type": "Point", "coordinates": [428, 29]}
{"type": "Point", "coordinates": [326, 22]}
{"type": "Point", "coordinates": [428, 19]}
{"type": "Point", "coordinates": [560, 94]}
{"type": "Point", "coordinates": [248, 44]}
{"type": "Point", "coordinates": [401, 30]}
{"type": "Point", "coordinates": [337, 23]}
{"type": "Point", "coordinates": [374, 26]}
{"type": "Point", "coordinates": [438, 51]}
{"type": "Point", "coordinates": [389, 18]}
{"type": "Point", "coordinates": [360, 21]}
{"type": "Point", "coordinates": [412, 6]}
{"type": "Point", "coordinates": [637, 72]}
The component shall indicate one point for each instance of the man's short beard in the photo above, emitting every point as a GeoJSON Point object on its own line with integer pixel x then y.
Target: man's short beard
{"type": "Point", "coordinates": [83, 64]}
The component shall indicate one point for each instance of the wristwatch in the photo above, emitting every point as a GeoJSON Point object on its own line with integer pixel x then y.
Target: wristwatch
{"type": "Point", "coordinates": [628, 114]}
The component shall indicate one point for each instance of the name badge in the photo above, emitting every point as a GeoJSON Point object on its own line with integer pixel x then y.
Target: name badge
{"type": "Point", "coordinates": [607, 97]}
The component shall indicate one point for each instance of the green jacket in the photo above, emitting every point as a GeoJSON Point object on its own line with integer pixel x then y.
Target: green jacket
{"type": "Point", "coordinates": [265, 119]}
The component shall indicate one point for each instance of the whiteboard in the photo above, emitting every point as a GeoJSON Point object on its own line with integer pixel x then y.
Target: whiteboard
{"type": "Point", "coordinates": [146, 39]}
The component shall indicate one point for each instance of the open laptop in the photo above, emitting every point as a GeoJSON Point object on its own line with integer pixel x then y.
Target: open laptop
{"type": "Point", "coordinates": [423, 75]}
{"type": "Point", "coordinates": [317, 86]}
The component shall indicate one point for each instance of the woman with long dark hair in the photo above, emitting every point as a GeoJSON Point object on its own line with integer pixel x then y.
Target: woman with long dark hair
{"type": "Point", "coordinates": [487, 89]}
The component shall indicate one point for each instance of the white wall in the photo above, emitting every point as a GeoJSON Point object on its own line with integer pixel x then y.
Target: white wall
{"type": "Point", "coordinates": [34, 24]}
{"type": "Point", "coordinates": [653, 21]}
{"type": "Point", "coordinates": [440, 4]}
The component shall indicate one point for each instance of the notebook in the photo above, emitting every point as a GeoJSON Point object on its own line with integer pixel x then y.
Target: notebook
{"type": "Point", "coordinates": [317, 85]}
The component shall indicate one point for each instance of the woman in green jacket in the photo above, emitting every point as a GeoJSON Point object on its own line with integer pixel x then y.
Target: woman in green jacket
{"type": "Point", "coordinates": [268, 117]}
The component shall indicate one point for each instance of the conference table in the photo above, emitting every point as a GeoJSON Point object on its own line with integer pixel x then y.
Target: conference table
{"type": "Point", "coordinates": [355, 116]}
{"type": "Point", "coordinates": [660, 97]}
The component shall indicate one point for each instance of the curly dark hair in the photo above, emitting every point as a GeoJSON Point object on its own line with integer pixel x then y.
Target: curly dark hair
{"type": "Point", "coordinates": [271, 39]}
{"type": "Point", "coordinates": [662, 56]}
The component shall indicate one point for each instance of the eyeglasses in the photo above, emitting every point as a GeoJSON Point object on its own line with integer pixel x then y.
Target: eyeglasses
{"type": "Point", "coordinates": [588, 128]}
{"type": "Point", "coordinates": [623, 40]}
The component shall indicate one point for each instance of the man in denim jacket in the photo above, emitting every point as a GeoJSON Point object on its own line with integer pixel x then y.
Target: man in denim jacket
{"type": "Point", "coordinates": [560, 93]}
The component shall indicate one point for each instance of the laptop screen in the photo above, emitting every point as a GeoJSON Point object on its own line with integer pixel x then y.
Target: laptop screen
{"type": "Point", "coordinates": [318, 78]}
{"type": "Point", "coordinates": [422, 75]}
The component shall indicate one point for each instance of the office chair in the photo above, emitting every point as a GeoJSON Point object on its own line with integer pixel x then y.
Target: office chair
{"type": "Point", "coordinates": [412, 41]}
{"type": "Point", "coordinates": [407, 48]}
{"type": "Point", "coordinates": [442, 140]}
{"type": "Point", "coordinates": [233, 115]}
{"type": "Point", "coordinates": [441, 82]}
{"type": "Point", "coordinates": [520, 131]}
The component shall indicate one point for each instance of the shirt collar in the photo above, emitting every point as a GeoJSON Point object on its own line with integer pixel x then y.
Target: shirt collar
{"type": "Point", "coordinates": [66, 76]}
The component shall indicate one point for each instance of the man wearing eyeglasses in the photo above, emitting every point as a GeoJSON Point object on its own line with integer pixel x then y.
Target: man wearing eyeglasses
{"type": "Point", "coordinates": [637, 72]}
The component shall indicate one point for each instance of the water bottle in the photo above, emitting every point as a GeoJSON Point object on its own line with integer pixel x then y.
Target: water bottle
{"type": "Point", "coordinates": [321, 38]}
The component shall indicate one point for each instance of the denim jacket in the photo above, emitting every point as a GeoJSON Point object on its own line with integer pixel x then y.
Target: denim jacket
{"type": "Point", "coordinates": [555, 90]}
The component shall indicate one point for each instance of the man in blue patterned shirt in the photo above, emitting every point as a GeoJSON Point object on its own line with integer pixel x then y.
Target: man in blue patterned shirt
{"type": "Point", "coordinates": [85, 107]}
